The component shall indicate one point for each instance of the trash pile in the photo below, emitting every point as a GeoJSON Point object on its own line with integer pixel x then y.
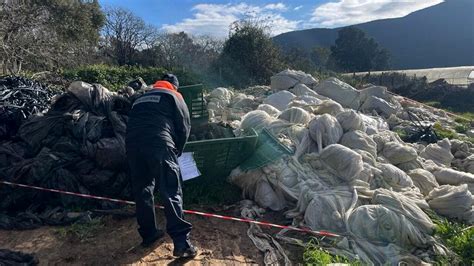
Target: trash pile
{"type": "Point", "coordinates": [350, 173]}
{"type": "Point", "coordinates": [8, 257]}
{"type": "Point", "coordinates": [74, 142]}
{"type": "Point", "coordinates": [76, 145]}
{"type": "Point", "coordinates": [20, 98]}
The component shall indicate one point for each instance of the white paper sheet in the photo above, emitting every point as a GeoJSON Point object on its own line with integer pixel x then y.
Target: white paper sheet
{"type": "Point", "coordinates": [188, 166]}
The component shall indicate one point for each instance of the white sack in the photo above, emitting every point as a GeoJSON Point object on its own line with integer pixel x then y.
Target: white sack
{"type": "Point", "coordinates": [289, 78]}
{"type": "Point", "coordinates": [374, 124]}
{"type": "Point", "coordinates": [266, 197]}
{"type": "Point", "coordinates": [328, 107]}
{"type": "Point", "coordinates": [325, 130]}
{"type": "Point", "coordinates": [256, 119]}
{"type": "Point", "coordinates": [385, 136]}
{"type": "Point", "coordinates": [397, 153]}
{"type": "Point", "coordinates": [468, 164]}
{"type": "Point", "coordinates": [405, 206]}
{"type": "Point", "coordinates": [448, 176]}
{"type": "Point", "coordinates": [279, 100]}
{"type": "Point", "coordinates": [295, 115]}
{"type": "Point", "coordinates": [380, 106]}
{"type": "Point", "coordinates": [327, 210]}
{"type": "Point", "coordinates": [377, 91]}
{"type": "Point", "coordinates": [269, 109]}
{"type": "Point", "coordinates": [350, 120]}
{"type": "Point", "coordinates": [301, 89]}
{"type": "Point", "coordinates": [359, 140]}
{"type": "Point", "coordinates": [390, 176]}
{"type": "Point", "coordinates": [340, 92]}
{"type": "Point", "coordinates": [341, 161]}
{"type": "Point", "coordinates": [307, 100]}
{"type": "Point", "coordinates": [221, 94]}
{"type": "Point", "coordinates": [459, 149]}
{"type": "Point", "coordinates": [246, 103]}
{"type": "Point", "coordinates": [378, 224]}
{"type": "Point", "coordinates": [439, 153]}
{"type": "Point", "coordinates": [451, 201]}
{"type": "Point", "coordinates": [411, 165]}
{"type": "Point", "coordinates": [423, 180]}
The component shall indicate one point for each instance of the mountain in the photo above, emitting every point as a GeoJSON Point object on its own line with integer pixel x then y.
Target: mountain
{"type": "Point", "coordinates": [437, 36]}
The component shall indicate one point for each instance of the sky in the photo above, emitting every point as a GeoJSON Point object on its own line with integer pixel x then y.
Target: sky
{"type": "Point", "coordinates": [213, 17]}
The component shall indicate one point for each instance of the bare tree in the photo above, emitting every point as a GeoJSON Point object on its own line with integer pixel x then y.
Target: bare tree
{"type": "Point", "coordinates": [125, 34]}
{"type": "Point", "coordinates": [35, 33]}
{"type": "Point", "coordinates": [17, 40]}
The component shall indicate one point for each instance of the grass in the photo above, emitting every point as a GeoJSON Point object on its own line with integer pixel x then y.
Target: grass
{"type": "Point", "coordinates": [461, 128]}
{"type": "Point", "coordinates": [451, 134]}
{"type": "Point", "coordinates": [444, 132]}
{"type": "Point", "coordinates": [401, 133]}
{"type": "Point", "coordinates": [434, 104]}
{"type": "Point", "coordinates": [467, 116]}
{"type": "Point", "coordinates": [314, 254]}
{"type": "Point", "coordinates": [210, 191]}
{"type": "Point", "coordinates": [82, 231]}
{"type": "Point", "coordinates": [459, 238]}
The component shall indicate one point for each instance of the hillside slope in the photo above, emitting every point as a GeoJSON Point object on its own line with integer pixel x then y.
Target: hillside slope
{"type": "Point", "coordinates": [438, 36]}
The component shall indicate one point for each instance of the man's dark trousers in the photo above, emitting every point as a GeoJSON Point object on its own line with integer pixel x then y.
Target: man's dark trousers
{"type": "Point", "coordinates": [158, 165]}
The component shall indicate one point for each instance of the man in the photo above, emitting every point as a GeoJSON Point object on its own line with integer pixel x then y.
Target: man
{"type": "Point", "coordinates": [158, 128]}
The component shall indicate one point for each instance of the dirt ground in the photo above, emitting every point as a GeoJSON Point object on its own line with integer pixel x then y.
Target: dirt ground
{"type": "Point", "coordinates": [219, 242]}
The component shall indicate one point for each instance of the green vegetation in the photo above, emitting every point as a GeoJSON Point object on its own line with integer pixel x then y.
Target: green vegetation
{"type": "Point", "coordinates": [354, 51]}
{"type": "Point", "coordinates": [81, 231]}
{"type": "Point", "coordinates": [461, 128]}
{"type": "Point", "coordinates": [115, 77]}
{"type": "Point", "coordinates": [249, 56]}
{"type": "Point", "coordinates": [210, 191]}
{"type": "Point", "coordinates": [443, 132]}
{"type": "Point", "coordinates": [315, 255]}
{"type": "Point", "coordinates": [402, 134]}
{"type": "Point", "coordinates": [459, 238]}
{"type": "Point", "coordinates": [47, 35]}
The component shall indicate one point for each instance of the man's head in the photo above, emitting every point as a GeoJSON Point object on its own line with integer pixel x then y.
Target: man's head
{"type": "Point", "coordinates": [171, 79]}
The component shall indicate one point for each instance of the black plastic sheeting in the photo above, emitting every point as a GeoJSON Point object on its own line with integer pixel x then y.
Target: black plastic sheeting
{"type": "Point", "coordinates": [55, 216]}
{"type": "Point", "coordinates": [10, 258]}
{"type": "Point", "coordinates": [76, 145]}
{"type": "Point", "coordinates": [20, 98]}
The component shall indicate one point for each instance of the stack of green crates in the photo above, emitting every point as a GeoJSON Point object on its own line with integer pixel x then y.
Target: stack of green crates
{"type": "Point", "coordinates": [194, 97]}
{"type": "Point", "coordinates": [218, 157]}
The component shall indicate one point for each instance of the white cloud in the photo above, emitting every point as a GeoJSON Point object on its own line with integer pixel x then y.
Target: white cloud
{"type": "Point", "coordinates": [349, 12]}
{"type": "Point", "coordinates": [297, 8]}
{"type": "Point", "coordinates": [277, 6]}
{"type": "Point", "coordinates": [214, 19]}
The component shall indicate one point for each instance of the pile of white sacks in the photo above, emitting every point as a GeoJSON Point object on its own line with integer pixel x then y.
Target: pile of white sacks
{"type": "Point", "coordinates": [350, 174]}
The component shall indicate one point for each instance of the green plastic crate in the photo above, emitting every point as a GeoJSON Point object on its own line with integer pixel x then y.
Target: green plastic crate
{"type": "Point", "coordinates": [194, 97]}
{"type": "Point", "coordinates": [218, 157]}
{"type": "Point", "coordinates": [267, 150]}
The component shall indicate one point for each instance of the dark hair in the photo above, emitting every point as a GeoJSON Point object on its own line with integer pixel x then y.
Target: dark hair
{"type": "Point", "coordinates": [171, 79]}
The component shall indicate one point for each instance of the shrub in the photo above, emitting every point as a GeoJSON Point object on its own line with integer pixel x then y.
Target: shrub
{"type": "Point", "coordinates": [115, 77]}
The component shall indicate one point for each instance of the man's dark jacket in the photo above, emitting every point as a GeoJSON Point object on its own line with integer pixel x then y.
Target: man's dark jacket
{"type": "Point", "coordinates": [159, 118]}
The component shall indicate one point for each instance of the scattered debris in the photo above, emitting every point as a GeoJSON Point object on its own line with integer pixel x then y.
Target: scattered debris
{"type": "Point", "coordinates": [349, 169]}
{"type": "Point", "coordinates": [21, 98]}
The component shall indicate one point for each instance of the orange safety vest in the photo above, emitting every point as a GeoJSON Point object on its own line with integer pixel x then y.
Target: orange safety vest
{"type": "Point", "coordinates": [162, 84]}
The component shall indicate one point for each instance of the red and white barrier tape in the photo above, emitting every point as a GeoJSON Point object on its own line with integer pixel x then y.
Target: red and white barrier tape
{"type": "Point", "coordinates": [304, 230]}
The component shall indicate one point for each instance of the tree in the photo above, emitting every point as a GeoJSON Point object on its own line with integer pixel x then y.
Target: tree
{"type": "Point", "coordinates": [249, 56]}
{"type": "Point", "coordinates": [297, 58]}
{"type": "Point", "coordinates": [47, 34]}
{"type": "Point", "coordinates": [181, 51]}
{"type": "Point", "coordinates": [354, 51]}
{"type": "Point", "coordinates": [125, 34]}
{"type": "Point", "coordinates": [320, 56]}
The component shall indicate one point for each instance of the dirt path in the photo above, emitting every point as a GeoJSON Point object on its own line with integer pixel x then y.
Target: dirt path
{"type": "Point", "coordinates": [219, 242]}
